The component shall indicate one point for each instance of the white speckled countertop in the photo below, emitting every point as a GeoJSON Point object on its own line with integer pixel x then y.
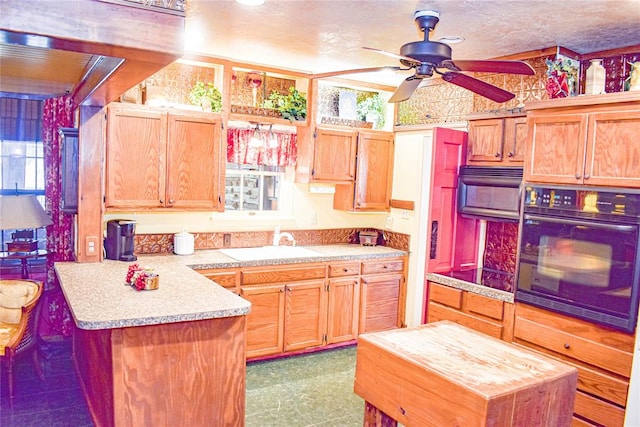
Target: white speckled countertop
{"type": "Point", "coordinates": [99, 299]}
{"type": "Point", "coordinates": [471, 287]}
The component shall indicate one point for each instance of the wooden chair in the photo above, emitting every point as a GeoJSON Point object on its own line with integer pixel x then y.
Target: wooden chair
{"type": "Point", "coordinates": [23, 337]}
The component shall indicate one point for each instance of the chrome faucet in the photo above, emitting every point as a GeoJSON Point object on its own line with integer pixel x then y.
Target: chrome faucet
{"type": "Point", "coordinates": [277, 236]}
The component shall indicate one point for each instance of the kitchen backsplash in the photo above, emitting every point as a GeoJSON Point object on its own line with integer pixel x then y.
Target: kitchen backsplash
{"type": "Point", "coordinates": [500, 251]}
{"type": "Point", "coordinates": [163, 243]}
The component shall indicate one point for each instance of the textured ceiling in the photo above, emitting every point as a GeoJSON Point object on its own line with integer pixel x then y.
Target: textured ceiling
{"type": "Point", "coordinates": [327, 35]}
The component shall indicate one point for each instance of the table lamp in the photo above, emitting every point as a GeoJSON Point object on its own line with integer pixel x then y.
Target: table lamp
{"type": "Point", "coordinates": [24, 214]}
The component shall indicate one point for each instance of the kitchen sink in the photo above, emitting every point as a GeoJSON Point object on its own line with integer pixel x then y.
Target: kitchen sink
{"type": "Point", "coordinates": [269, 252]}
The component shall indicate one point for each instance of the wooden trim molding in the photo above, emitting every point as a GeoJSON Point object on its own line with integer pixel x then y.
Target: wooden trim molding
{"type": "Point", "coordinates": [403, 204]}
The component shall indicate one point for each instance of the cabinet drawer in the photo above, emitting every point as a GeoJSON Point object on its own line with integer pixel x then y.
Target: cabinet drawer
{"type": "Point", "coordinates": [598, 411]}
{"type": "Point", "coordinates": [344, 269]}
{"type": "Point", "coordinates": [378, 267]}
{"type": "Point", "coordinates": [227, 279]}
{"type": "Point", "coordinates": [282, 274]}
{"type": "Point", "coordinates": [437, 312]}
{"type": "Point", "coordinates": [573, 346]}
{"type": "Point", "coordinates": [445, 295]}
{"type": "Point", "coordinates": [485, 306]}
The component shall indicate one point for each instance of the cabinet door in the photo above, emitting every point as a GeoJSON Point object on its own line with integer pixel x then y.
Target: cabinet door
{"type": "Point", "coordinates": [613, 151]}
{"type": "Point", "coordinates": [334, 155]}
{"type": "Point", "coordinates": [306, 315]}
{"type": "Point", "coordinates": [485, 140]}
{"type": "Point", "coordinates": [193, 166]}
{"type": "Point", "coordinates": [135, 164]}
{"type": "Point", "coordinates": [379, 302]}
{"type": "Point", "coordinates": [344, 297]}
{"type": "Point", "coordinates": [265, 322]}
{"type": "Point", "coordinates": [374, 173]}
{"type": "Point", "coordinates": [69, 165]}
{"type": "Point", "coordinates": [555, 149]}
{"type": "Point", "coordinates": [515, 139]}
{"type": "Point", "coordinates": [449, 154]}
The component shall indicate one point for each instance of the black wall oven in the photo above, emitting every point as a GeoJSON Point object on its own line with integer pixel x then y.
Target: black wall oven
{"type": "Point", "coordinates": [579, 253]}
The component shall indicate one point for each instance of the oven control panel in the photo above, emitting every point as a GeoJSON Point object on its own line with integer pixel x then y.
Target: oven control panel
{"type": "Point", "coordinates": [583, 199]}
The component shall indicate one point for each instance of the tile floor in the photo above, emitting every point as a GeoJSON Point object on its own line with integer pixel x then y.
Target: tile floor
{"type": "Point", "coordinates": [309, 390]}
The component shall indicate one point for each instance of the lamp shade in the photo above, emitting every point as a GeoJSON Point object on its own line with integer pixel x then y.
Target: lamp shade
{"type": "Point", "coordinates": [20, 212]}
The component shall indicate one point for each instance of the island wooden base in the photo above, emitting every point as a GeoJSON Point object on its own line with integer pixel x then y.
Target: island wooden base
{"type": "Point", "coordinates": [443, 374]}
{"type": "Point", "coordinates": [186, 373]}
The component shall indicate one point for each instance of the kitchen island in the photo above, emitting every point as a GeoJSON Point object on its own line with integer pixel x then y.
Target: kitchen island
{"type": "Point", "coordinates": [171, 356]}
{"type": "Point", "coordinates": [175, 355]}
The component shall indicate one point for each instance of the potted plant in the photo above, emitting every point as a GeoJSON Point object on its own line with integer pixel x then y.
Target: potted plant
{"type": "Point", "coordinates": [371, 109]}
{"type": "Point", "coordinates": [207, 96]}
{"type": "Point", "coordinates": [292, 106]}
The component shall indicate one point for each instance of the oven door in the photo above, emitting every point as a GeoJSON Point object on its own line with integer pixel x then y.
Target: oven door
{"type": "Point", "coordinates": [585, 268]}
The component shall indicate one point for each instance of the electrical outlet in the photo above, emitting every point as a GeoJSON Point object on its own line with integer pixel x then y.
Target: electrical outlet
{"type": "Point", "coordinates": [91, 245]}
{"type": "Point", "coordinates": [226, 240]}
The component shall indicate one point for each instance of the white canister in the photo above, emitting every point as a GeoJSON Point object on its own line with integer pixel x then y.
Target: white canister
{"type": "Point", "coordinates": [596, 78]}
{"type": "Point", "coordinates": [183, 243]}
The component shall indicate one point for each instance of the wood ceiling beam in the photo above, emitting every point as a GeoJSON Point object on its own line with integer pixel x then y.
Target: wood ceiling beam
{"type": "Point", "coordinates": [147, 40]}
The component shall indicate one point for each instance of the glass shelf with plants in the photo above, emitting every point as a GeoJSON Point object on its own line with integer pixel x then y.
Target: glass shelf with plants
{"type": "Point", "coordinates": [274, 97]}
{"type": "Point", "coordinates": [352, 106]}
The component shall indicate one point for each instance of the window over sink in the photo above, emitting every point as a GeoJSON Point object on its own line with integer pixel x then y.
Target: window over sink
{"type": "Point", "coordinates": [252, 187]}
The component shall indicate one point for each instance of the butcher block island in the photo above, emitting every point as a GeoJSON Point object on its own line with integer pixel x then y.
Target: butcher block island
{"type": "Point", "coordinates": [170, 356]}
{"type": "Point", "coordinates": [444, 374]}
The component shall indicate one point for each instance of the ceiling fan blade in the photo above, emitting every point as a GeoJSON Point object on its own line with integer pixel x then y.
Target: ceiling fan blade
{"type": "Point", "coordinates": [406, 89]}
{"type": "Point", "coordinates": [354, 71]}
{"type": "Point", "coordinates": [478, 86]}
{"type": "Point", "coordinates": [507, 67]}
{"type": "Point", "coordinates": [393, 55]}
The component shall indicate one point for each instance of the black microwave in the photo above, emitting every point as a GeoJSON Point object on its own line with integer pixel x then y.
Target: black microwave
{"type": "Point", "coordinates": [491, 193]}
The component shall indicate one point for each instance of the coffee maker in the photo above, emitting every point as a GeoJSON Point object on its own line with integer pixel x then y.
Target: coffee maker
{"type": "Point", "coordinates": [119, 243]}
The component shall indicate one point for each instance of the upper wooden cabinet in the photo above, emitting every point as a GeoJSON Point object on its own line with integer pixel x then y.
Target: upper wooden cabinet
{"type": "Point", "coordinates": [334, 157]}
{"type": "Point", "coordinates": [163, 159]}
{"type": "Point", "coordinates": [371, 190]}
{"type": "Point", "coordinates": [590, 140]}
{"type": "Point", "coordinates": [497, 141]}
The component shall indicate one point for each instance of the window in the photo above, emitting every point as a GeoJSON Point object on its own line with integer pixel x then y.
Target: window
{"type": "Point", "coordinates": [21, 148]}
{"type": "Point", "coordinates": [252, 187]}
{"type": "Point", "coordinates": [21, 152]}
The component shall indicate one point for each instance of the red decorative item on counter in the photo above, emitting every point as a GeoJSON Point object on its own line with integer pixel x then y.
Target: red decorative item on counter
{"type": "Point", "coordinates": [141, 278]}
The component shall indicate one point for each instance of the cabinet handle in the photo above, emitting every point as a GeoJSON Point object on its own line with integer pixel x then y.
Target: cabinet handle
{"type": "Point", "coordinates": [161, 202]}
{"type": "Point", "coordinates": [578, 176]}
{"type": "Point", "coordinates": [171, 201]}
{"type": "Point", "coordinates": [510, 154]}
{"type": "Point", "coordinates": [385, 267]}
{"type": "Point", "coordinates": [345, 270]}
{"type": "Point", "coordinates": [587, 176]}
{"type": "Point", "coordinates": [496, 155]}
{"type": "Point", "coordinates": [566, 345]}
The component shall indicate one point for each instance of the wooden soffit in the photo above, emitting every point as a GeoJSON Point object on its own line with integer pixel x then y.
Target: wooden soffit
{"type": "Point", "coordinates": [119, 44]}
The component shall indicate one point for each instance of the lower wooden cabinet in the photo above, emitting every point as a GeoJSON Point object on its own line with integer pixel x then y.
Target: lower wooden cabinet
{"type": "Point", "coordinates": [483, 314]}
{"type": "Point", "coordinates": [381, 294]}
{"type": "Point", "coordinates": [344, 300]}
{"type": "Point", "coordinates": [602, 356]}
{"type": "Point", "coordinates": [302, 306]}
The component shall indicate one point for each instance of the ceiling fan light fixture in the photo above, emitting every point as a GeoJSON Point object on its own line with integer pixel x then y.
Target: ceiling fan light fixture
{"type": "Point", "coordinates": [451, 39]}
{"type": "Point", "coordinates": [251, 2]}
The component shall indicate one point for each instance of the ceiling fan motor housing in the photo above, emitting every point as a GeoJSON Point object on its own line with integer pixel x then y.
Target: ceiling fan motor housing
{"type": "Point", "coordinates": [426, 51]}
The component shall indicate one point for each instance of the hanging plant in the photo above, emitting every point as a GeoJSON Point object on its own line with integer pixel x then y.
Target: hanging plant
{"type": "Point", "coordinates": [372, 109]}
{"type": "Point", "coordinates": [292, 106]}
{"type": "Point", "coordinates": [207, 96]}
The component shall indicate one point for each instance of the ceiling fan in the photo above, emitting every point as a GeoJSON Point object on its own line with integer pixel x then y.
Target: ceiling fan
{"type": "Point", "coordinates": [427, 57]}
